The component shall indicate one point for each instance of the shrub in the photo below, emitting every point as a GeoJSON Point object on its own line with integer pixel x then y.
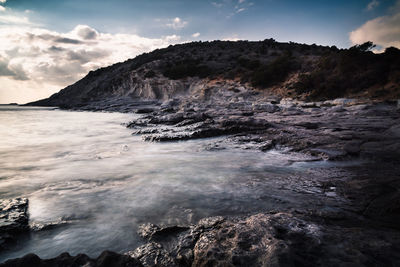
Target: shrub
{"type": "Point", "coordinates": [149, 74]}
{"type": "Point", "coordinates": [273, 73]}
{"type": "Point", "coordinates": [187, 69]}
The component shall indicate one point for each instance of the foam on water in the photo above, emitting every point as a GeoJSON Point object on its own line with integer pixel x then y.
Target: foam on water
{"type": "Point", "coordinates": [87, 172]}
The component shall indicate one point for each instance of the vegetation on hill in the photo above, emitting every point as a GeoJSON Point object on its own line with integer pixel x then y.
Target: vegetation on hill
{"type": "Point", "coordinates": [322, 72]}
{"type": "Point", "coordinates": [303, 71]}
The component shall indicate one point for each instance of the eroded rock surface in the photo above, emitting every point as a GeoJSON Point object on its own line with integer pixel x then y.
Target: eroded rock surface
{"type": "Point", "coordinates": [13, 220]}
{"type": "Point", "coordinates": [106, 259]}
{"type": "Point", "coordinates": [270, 239]}
{"type": "Point", "coordinates": [326, 130]}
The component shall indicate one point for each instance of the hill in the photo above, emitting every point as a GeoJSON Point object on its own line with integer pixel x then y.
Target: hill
{"type": "Point", "coordinates": [306, 72]}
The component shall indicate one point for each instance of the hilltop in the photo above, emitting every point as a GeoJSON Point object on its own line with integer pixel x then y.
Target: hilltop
{"type": "Point", "coordinates": [300, 71]}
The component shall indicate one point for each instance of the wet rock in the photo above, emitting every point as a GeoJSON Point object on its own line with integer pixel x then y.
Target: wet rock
{"type": "Point", "coordinates": [144, 110]}
{"type": "Point", "coordinates": [153, 254]}
{"type": "Point", "coordinates": [151, 231]}
{"type": "Point", "coordinates": [13, 220]}
{"type": "Point", "coordinates": [270, 108]}
{"type": "Point", "coordinates": [106, 259]}
{"type": "Point", "coordinates": [259, 240]}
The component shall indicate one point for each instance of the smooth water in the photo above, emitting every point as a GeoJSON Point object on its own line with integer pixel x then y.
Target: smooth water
{"type": "Point", "coordinates": [86, 172]}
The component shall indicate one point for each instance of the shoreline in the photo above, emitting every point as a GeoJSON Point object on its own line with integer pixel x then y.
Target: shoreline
{"type": "Point", "coordinates": [366, 234]}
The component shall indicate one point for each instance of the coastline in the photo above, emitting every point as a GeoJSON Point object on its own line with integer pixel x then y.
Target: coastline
{"type": "Point", "coordinates": [363, 231]}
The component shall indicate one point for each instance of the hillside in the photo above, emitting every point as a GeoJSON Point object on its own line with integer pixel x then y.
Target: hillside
{"type": "Point", "coordinates": [306, 72]}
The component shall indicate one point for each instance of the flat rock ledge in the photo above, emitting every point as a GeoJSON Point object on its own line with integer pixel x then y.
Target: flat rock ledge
{"type": "Point", "coordinates": [332, 130]}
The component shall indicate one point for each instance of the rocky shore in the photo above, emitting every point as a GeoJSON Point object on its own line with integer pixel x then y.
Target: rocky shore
{"type": "Point", "coordinates": [354, 224]}
{"type": "Point", "coordinates": [324, 103]}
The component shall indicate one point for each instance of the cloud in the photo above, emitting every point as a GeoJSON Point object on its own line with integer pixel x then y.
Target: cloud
{"type": "Point", "coordinates": [3, 1]}
{"type": "Point", "coordinates": [10, 19]}
{"type": "Point", "coordinates": [241, 1]}
{"type": "Point", "coordinates": [176, 23]}
{"type": "Point", "coordinates": [372, 5]}
{"type": "Point", "coordinates": [86, 32]}
{"type": "Point", "coordinates": [240, 10]}
{"type": "Point", "coordinates": [67, 40]}
{"type": "Point", "coordinates": [195, 35]}
{"type": "Point", "coordinates": [15, 71]}
{"type": "Point", "coordinates": [36, 62]}
{"type": "Point", "coordinates": [216, 4]}
{"type": "Point", "coordinates": [233, 37]}
{"type": "Point", "coordinates": [383, 31]}
{"type": "Point", "coordinates": [2, 8]}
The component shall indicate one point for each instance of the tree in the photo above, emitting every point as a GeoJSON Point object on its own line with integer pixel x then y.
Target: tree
{"type": "Point", "coordinates": [367, 46]}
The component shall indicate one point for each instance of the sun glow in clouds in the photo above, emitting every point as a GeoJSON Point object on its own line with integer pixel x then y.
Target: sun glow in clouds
{"type": "Point", "coordinates": [35, 62]}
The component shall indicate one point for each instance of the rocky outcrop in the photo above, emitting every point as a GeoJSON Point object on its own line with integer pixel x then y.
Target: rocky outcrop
{"type": "Point", "coordinates": [263, 239]}
{"type": "Point", "coordinates": [106, 259]}
{"type": "Point", "coordinates": [267, 239]}
{"type": "Point", "coordinates": [328, 130]}
{"type": "Point", "coordinates": [14, 220]}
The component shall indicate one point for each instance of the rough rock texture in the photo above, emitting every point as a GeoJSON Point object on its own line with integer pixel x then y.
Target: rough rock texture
{"type": "Point", "coordinates": [106, 259]}
{"type": "Point", "coordinates": [250, 92]}
{"type": "Point", "coordinates": [268, 239]}
{"type": "Point", "coordinates": [328, 130]}
{"type": "Point", "coordinates": [13, 220]}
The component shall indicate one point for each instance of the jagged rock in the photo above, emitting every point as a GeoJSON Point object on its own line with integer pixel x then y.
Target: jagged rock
{"type": "Point", "coordinates": [259, 240]}
{"type": "Point", "coordinates": [106, 259]}
{"type": "Point", "coordinates": [14, 220]}
{"type": "Point", "coordinates": [153, 254]}
{"type": "Point", "coordinates": [270, 239]}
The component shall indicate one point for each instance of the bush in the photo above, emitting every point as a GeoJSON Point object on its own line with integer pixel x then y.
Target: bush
{"type": "Point", "coordinates": [187, 69]}
{"type": "Point", "coordinates": [248, 63]}
{"type": "Point", "coordinates": [149, 74]}
{"type": "Point", "coordinates": [273, 73]}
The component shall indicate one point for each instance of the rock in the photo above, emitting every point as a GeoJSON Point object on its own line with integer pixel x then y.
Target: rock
{"type": "Point", "coordinates": [272, 239]}
{"type": "Point", "coordinates": [153, 254]}
{"type": "Point", "coordinates": [151, 231]}
{"type": "Point", "coordinates": [106, 259]}
{"type": "Point", "coordinates": [270, 108]}
{"type": "Point", "coordinates": [259, 240]}
{"type": "Point", "coordinates": [14, 220]}
{"type": "Point", "coordinates": [144, 110]}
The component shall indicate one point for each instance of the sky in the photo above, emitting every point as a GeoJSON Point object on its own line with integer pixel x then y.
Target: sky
{"type": "Point", "coordinates": [46, 45]}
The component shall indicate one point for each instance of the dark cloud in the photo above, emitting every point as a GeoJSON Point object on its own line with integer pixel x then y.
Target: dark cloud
{"type": "Point", "coordinates": [54, 48]}
{"type": "Point", "coordinates": [86, 33]}
{"type": "Point", "coordinates": [84, 56]}
{"type": "Point", "coordinates": [54, 38]}
{"type": "Point", "coordinates": [65, 40]}
{"type": "Point", "coordinates": [16, 72]}
{"type": "Point", "coordinates": [4, 70]}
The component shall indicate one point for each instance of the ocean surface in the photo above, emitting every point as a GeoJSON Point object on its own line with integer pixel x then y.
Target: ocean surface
{"type": "Point", "coordinates": [85, 173]}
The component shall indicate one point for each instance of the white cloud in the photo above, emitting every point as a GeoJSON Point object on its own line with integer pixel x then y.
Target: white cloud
{"type": "Point", "coordinates": [383, 31]}
{"type": "Point", "coordinates": [7, 18]}
{"type": "Point", "coordinates": [196, 34]}
{"type": "Point", "coordinates": [3, 1]}
{"type": "Point", "coordinates": [372, 5]}
{"type": "Point", "coordinates": [216, 4]}
{"type": "Point", "coordinates": [240, 10]}
{"type": "Point", "coordinates": [172, 38]}
{"type": "Point", "coordinates": [36, 62]}
{"type": "Point", "coordinates": [176, 23]}
{"type": "Point", "coordinates": [2, 8]}
{"type": "Point", "coordinates": [233, 37]}
{"type": "Point", "coordinates": [241, 1]}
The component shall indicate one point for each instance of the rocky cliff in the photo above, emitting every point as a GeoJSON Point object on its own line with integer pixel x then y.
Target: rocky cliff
{"type": "Point", "coordinates": [200, 69]}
